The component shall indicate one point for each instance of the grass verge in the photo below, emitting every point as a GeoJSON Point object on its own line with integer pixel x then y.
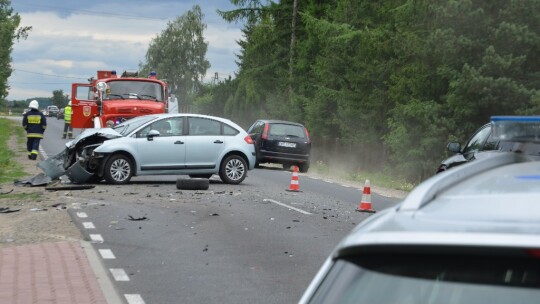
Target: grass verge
{"type": "Point", "coordinates": [9, 169]}
{"type": "Point", "coordinates": [381, 179]}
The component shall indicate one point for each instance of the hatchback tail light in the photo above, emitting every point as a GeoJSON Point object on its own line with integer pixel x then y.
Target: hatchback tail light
{"type": "Point", "coordinates": [249, 140]}
{"type": "Point", "coordinates": [265, 132]}
{"type": "Point", "coordinates": [307, 134]}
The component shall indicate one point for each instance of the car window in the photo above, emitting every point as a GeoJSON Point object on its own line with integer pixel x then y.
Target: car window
{"type": "Point", "coordinates": [204, 126]}
{"type": "Point", "coordinates": [257, 128]}
{"type": "Point", "coordinates": [477, 140]}
{"type": "Point", "coordinates": [491, 143]}
{"type": "Point", "coordinates": [286, 130]}
{"type": "Point", "coordinates": [228, 130]}
{"type": "Point", "coordinates": [424, 278]}
{"type": "Point", "coordinates": [167, 127]}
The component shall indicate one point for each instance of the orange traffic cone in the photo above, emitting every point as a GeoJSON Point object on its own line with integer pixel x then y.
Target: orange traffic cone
{"type": "Point", "coordinates": [294, 187]}
{"type": "Point", "coordinates": [365, 204]}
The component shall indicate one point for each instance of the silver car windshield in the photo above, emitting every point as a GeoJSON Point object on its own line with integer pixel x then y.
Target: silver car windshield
{"type": "Point", "coordinates": [131, 125]}
{"type": "Point", "coordinates": [441, 279]}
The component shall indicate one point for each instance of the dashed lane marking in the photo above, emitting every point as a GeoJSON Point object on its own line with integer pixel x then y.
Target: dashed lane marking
{"type": "Point", "coordinates": [82, 214]}
{"type": "Point", "coordinates": [119, 274]}
{"type": "Point", "coordinates": [107, 254]}
{"type": "Point", "coordinates": [96, 238]}
{"type": "Point", "coordinates": [88, 225]}
{"type": "Point", "coordinates": [287, 206]}
{"type": "Point", "coordinates": [134, 299]}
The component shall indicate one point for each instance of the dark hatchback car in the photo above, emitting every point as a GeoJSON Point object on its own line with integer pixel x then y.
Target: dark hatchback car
{"type": "Point", "coordinates": [281, 142]}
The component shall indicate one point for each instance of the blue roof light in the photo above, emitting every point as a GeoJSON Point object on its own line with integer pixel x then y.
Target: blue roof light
{"type": "Point", "coordinates": [516, 128]}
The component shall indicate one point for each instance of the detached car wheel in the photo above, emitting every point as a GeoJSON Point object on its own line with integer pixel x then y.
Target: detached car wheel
{"type": "Point", "coordinates": [233, 169]}
{"type": "Point", "coordinates": [192, 184]}
{"type": "Point", "coordinates": [200, 175]}
{"type": "Point", "coordinates": [118, 169]}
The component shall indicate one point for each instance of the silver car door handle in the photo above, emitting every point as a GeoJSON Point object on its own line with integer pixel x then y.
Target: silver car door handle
{"type": "Point", "coordinates": [178, 142]}
{"type": "Point", "coordinates": [218, 142]}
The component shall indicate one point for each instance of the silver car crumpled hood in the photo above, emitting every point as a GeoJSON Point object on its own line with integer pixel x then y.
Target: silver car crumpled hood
{"type": "Point", "coordinates": [59, 165]}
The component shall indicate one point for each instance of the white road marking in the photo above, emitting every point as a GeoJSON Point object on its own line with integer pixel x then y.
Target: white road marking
{"type": "Point", "coordinates": [107, 254]}
{"type": "Point", "coordinates": [96, 238]}
{"type": "Point", "coordinates": [285, 205]}
{"type": "Point", "coordinates": [89, 225]}
{"type": "Point", "coordinates": [119, 274]}
{"type": "Point", "coordinates": [82, 214]}
{"type": "Point", "coordinates": [134, 299]}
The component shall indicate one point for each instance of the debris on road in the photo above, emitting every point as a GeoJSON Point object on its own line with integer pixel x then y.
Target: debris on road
{"type": "Point", "coordinates": [59, 206]}
{"type": "Point", "coordinates": [70, 187]}
{"type": "Point", "coordinates": [8, 210]}
{"type": "Point", "coordinates": [4, 193]}
{"type": "Point", "coordinates": [131, 218]}
{"type": "Point", "coordinates": [39, 180]}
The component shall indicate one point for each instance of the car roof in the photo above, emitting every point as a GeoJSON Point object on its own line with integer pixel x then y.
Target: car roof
{"type": "Point", "coordinates": [489, 202]}
{"type": "Point", "coordinates": [275, 121]}
{"type": "Point", "coordinates": [222, 119]}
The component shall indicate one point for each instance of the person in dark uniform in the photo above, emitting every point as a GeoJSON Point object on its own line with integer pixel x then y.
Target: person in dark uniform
{"type": "Point", "coordinates": [35, 123]}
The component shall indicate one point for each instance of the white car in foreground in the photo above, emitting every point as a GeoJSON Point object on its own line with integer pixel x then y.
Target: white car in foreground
{"type": "Point", "coordinates": [466, 235]}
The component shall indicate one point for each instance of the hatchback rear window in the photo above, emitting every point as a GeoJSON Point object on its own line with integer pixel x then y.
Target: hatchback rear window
{"type": "Point", "coordinates": [287, 130]}
{"type": "Point", "coordinates": [437, 279]}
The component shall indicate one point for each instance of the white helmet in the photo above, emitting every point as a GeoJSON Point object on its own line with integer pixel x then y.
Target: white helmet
{"type": "Point", "coordinates": [69, 103]}
{"type": "Point", "coordinates": [34, 104]}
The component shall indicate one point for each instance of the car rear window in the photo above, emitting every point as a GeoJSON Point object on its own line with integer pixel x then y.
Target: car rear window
{"type": "Point", "coordinates": [287, 130]}
{"type": "Point", "coordinates": [437, 279]}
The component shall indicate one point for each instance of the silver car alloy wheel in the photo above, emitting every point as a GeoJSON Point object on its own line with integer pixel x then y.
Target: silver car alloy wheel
{"type": "Point", "coordinates": [235, 169]}
{"type": "Point", "coordinates": [120, 170]}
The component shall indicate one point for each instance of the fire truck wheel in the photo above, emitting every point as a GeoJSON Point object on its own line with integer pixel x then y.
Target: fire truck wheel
{"type": "Point", "coordinates": [233, 169]}
{"type": "Point", "coordinates": [118, 169]}
{"type": "Point", "coordinates": [192, 184]}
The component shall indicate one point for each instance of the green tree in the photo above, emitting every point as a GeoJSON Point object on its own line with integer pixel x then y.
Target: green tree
{"type": "Point", "coordinates": [59, 99]}
{"type": "Point", "coordinates": [9, 33]}
{"type": "Point", "coordinates": [178, 55]}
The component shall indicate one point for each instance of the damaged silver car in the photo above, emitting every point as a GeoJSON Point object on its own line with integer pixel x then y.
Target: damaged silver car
{"type": "Point", "coordinates": [161, 144]}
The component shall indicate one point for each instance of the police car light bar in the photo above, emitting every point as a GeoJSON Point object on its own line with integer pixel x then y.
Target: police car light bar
{"type": "Point", "coordinates": [516, 128]}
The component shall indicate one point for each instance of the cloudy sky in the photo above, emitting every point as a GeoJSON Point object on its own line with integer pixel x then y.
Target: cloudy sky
{"type": "Point", "coordinates": [70, 40]}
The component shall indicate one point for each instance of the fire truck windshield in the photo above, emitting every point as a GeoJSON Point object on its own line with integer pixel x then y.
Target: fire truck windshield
{"type": "Point", "coordinates": [133, 89]}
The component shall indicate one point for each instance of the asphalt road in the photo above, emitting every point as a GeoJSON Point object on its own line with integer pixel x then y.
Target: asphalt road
{"type": "Point", "coordinates": [248, 243]}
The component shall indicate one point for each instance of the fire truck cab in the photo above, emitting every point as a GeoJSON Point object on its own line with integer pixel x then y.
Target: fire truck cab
{"type": "Point", "coordinates": [110, 100]}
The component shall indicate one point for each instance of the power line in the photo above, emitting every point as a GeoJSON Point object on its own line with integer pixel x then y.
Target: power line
{"type": "Point", "coordinates": [16, 82]}
{"type": "Point", "coordinates": [50, 75]}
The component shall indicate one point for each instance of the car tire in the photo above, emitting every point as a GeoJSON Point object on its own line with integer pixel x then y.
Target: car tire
{"type": "Point", "coordinates": [207, 176]}
{"type": "Point", "coordinates": [233, 169]}
{"type": "Point", "coordinates": [95, 179]}
{"type": "Point", "coordinates": [304, 167]}
{"type": "Point", "coordinates": [192, 184]}
{"type": "Point", "coordinates": [118, 169]}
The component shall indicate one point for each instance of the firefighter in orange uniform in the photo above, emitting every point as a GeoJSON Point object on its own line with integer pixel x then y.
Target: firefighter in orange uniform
{"type": "Point", "coordinates": [35, 123]}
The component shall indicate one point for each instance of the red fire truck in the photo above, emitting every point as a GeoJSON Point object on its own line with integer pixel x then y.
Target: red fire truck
{"type": "Point", "coordinates": [109, 99]}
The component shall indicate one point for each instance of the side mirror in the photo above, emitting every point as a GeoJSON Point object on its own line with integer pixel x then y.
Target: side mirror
{"type": "Point", "coordinates": [151, 134]}
{"type": "Point", "coordinates": [454, 147]}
